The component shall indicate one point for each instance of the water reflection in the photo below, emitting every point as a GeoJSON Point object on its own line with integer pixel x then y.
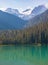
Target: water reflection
{"type": "Point", "coordinates": [27, 55]}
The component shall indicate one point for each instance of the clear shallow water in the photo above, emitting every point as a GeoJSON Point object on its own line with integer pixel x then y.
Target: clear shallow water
{"type": "Point", "coordinates": [24, 55]}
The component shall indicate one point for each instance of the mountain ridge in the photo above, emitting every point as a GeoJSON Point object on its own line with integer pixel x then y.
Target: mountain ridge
{"type": "Point", "coordinates": [36, 11]}
{"type": "Point", "coordinates": [43, 17]}
{"type": "Point", "coordinates": [9, 21]}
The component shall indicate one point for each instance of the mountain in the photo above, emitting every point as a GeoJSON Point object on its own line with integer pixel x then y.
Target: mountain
{"type": "Point", "coordinates": [14, 12]}
{"type": "Point", "coordinates": [28, 13]}
{"type": "Point", "coordinates": [9, 21]}
{"type": "Point", "coordinates": [41, 18]}
{"type": "Point", "coordinates": [38, 10]}
{"type": "Point", "coordinates": [35, 33]}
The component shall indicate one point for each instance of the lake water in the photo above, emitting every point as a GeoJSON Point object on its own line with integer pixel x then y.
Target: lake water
{"type": "Point", "coordinates": [23, 55]}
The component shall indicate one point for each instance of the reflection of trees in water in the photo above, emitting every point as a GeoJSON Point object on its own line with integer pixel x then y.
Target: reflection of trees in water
{"type": "Point", "coordinates": [44, 51]}
{"type": "Point", "coordinates": [35, 54]}
{"type": "Point", "coordinates": [39, 52]}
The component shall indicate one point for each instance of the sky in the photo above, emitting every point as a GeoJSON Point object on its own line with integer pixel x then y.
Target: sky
{"type": "Point", "coordinates": [21, 4]}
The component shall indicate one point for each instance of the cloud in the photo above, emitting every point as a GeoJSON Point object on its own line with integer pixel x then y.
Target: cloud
{"type": "Point", "coordinates": [46, 5]}
{"type": "Point", "coordinates": [2, 9]}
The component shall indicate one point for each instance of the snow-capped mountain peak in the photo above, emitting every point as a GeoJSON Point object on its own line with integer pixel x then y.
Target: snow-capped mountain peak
{"type": "Point", "coordinates": [38, 10]}
{"type": "Point", "coordinates": [28, 13]}
{"type": "Point", "coordinates": [12, 11]}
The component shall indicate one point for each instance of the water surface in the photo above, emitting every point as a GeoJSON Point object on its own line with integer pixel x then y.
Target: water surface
{"type": "Point", "coordinates": [23, 55]}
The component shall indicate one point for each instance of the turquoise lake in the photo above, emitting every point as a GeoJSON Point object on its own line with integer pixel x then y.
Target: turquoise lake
{"type": "Point", "coordinates": [23, 55]}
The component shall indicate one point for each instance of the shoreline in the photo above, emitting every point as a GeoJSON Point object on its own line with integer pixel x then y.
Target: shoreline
{"type": "Point", "coordinates": [23, 45]}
